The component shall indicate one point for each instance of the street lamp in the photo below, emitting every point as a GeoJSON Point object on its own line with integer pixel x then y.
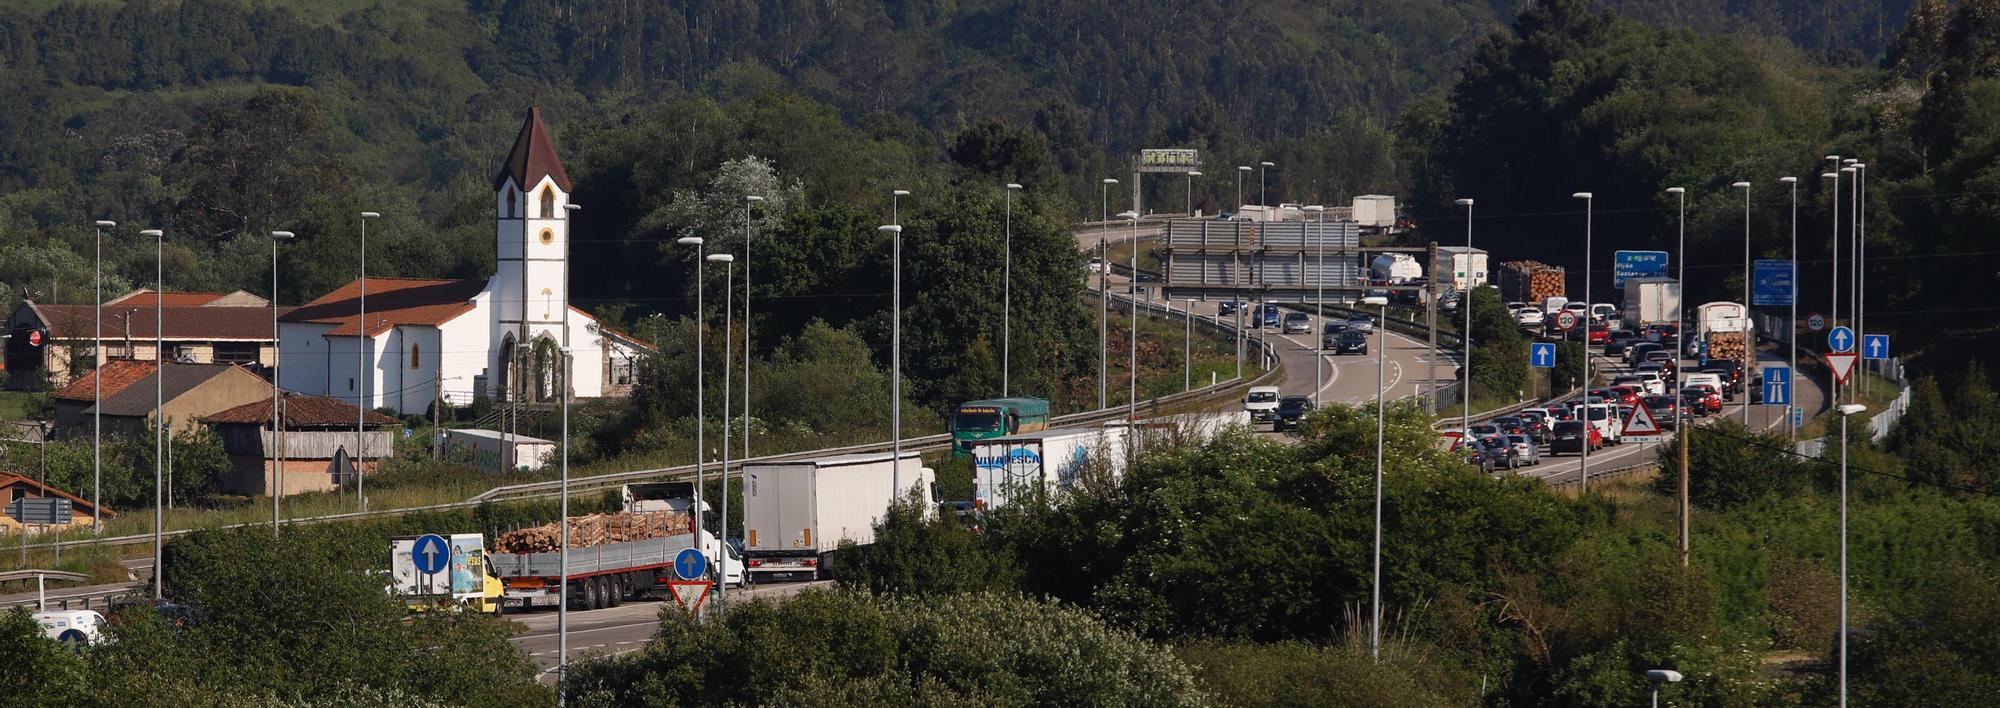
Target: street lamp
{"type": "Point", "coordinates": [1319, 300]}
{"type": "Point", "coordinates": [1381, 411]}
{"type": "Point", "coordinates": [361, 369]}
{"type": "Point", "coordinates": [896, 354]}
{"type": "Point", "coordinates": [728, 324]}
{"type": "Point", "coordinates": [1465, 335]}
{"type": "Point", "coordinates": [1190, 190]}
{"type": "Point", "coordinates": [1132, 364]}
{"type": "Point", "coordinates": [97, 398]}
{"type": "Point", "coordinates": [894, 201]}
{"type": "Point", "coordinates": [159, 404]}
{"type": "Point", "coordinates": [748, 201]}
{"type": "Point", "coordinates": [1583, 459]}
{"type": "Point", "coordinates": [1660, 676]}
{"type": "Point", "coordinates": [1861, 255]}
{"type": "Point", "coordinates": [1187, 349]}
{"type": "Point", "coordinates": [1261, 166]}
{"type": "Point", "coordinates": [1681, 432]}
{"type": "Point", "coordinates": [1240, 171]}
{"type": "Point", "coordinates": [1006, 301]}
{"type": "Point", "coordinates": [700, 376]}
{"type": "Point", "coordinates": [277, 391]}
{"type": "Point", "coordinates": [1847, 411]}
{"type": "Point", "coordinates": [1748, 339]}
{"type": "Point", "coordinates": [1792, 335]}
{"type": "Point", "coordinates": [1855, 249]}
{"type": "Point", "coordinates": [562, 604]}
{"type": "Point", "coordinates": [1103, 296]}
{"type": "Point", "coordinates": [1833, 315]}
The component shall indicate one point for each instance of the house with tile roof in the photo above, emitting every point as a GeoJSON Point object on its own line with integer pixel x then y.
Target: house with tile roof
{"type": "Point", "coordinates": [401, 343]}
{"type": "Point", "coordinates": [312, 453]}
{"type": "Point", "coordinates": [188, 392]}
{"type": "Point", "coordinates": [14, 486]}
{"type": "Point", "coordinates": [52, 345]}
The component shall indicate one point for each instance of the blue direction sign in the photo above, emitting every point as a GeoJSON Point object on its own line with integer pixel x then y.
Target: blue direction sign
{"type": "Point", "coordinates": [1771, 283]}
{"type": "Point", "coordinates": [430, 554]}
{"type": "Point", "coordinates": [1874, 346]}
{"type": "Point", "coordinates": [1841, 339]}
{"type": "Point", "coordinates": [1637, 264]}
{"type": "Point", "coordinates": [690, 564]}
{"type": "Point", "coordinates": [1777, 386]}
{"type": "Point", "coordinates": [1542, 355]}
{"type": "Point", "coordinates": [1798, 417]}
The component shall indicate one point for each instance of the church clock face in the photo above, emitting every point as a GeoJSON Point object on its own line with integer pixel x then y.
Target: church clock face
{"type": "Point", "coordinates": [548, 236]}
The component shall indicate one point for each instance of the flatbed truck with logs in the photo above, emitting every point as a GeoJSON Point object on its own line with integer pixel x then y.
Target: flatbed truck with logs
{"type": "Point", "coordinates": [612, 557]}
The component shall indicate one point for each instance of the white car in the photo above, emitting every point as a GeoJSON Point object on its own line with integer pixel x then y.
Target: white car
{"type": "Point", "coordinates": [72, 627]}
{"type": "Point", "coordinates": [1528, 317]}
{"type": "Point", "coordinates": [1261, 403]}
{"type": "Point", "coordinates": [1096, 265]}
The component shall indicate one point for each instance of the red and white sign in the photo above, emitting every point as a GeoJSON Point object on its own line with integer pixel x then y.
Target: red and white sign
{"type": "Point", "coordinates": [1451, 439]}
{"type": "Point", "coordinates": [1641, 426]}
{"type": "Point", "coordinates": [690, 593]}
{"type": "Point", "coordinates": [1815, 322]}
{"type": "Point", "coordinates": [1841, 364]}
{"type": "Point", "coordinates": [1566, 320]}
{"type": "Point", "coordinates": [35, 338]}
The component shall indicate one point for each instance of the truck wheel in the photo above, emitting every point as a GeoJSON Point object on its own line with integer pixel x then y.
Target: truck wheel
{"type": "Point", "coordinates": [589, 593]}
{"type": "Point", "coordinates": [618, 588]}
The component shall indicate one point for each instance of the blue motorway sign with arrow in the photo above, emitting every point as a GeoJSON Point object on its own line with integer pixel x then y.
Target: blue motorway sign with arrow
{"type": "Point", "coordinates": [1637, 264]}
{"type": "Point", "coordinates": [430, 554]}
{"type": "Point", "coordinates": [1840, 339]}
{"type": "Point", "coordinates": [1777, 386]}
{"type": "Point", "coordinates": [1542, 355]}
{"type": "Point", "coordinates": [1874, 346]}
{"type": "Point", "coordinates": [1771, 283]}
{"type": "Point", "coordinates": [690, 564]}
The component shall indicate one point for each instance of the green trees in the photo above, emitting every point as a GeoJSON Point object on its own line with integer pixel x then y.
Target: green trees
{"type": "Point", "coordinates": [914, 555]}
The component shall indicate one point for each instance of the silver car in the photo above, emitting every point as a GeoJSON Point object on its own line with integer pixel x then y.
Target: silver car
{"type": "Point", "coordinates": [1525, 449]}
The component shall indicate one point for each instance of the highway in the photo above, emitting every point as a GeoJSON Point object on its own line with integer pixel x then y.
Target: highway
{"type": "Point", "coordinates": [615, 630]}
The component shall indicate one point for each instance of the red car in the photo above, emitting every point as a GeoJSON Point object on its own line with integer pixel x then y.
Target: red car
{"type": "Point", "coordinates": [1702, 399]}
{"type": "Point", "coordinates": [1600, 334]}
{"type": "Point", "coordinates": [1627, 395]}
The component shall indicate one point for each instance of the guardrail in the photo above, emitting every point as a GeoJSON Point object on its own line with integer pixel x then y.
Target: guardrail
{"type": "Point", "coordinates": [1601, 475]}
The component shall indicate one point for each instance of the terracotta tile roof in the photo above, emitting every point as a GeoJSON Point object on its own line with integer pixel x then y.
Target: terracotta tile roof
{"type": "Point", "coordinates": [74, 322]}
{"type": "Point", "coordinates": [9, 479]}
{"type": "Point", "coordinates": [533, 157]}
{"type": "Point", "coordinates": [391, 301]}
{"type": "Point", "coordinates": [144, 297]}
{"type": "Point", "coordinates": [118, 374]}
{"type": "Point", "coordinates": [137, 399]}
{"type": "Point", "coordinates": [301, 410]}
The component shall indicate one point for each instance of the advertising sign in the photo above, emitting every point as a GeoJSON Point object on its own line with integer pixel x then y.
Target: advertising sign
{"type": "Point", "coordinates": [1169, 160]}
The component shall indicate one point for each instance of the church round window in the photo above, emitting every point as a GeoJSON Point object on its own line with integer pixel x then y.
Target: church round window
{"type": "Point", "coordinates": [548, 236]}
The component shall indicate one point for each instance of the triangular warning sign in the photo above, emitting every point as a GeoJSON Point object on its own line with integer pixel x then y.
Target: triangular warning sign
{"type": "Point", "coordinates": [1641, 422]}
{"type": "Point", "coordinates": [689, 593]}
{"type": "Point", "coordinates": [1841, 363]}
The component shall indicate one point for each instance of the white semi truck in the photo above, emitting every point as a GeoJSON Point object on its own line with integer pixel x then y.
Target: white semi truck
{"type": "Point", "coordinates": [1010, 468]}
{"type": "Point", "coordinates": [796, 514]}
{"type": "Point", "coordinates": [1651, 301]}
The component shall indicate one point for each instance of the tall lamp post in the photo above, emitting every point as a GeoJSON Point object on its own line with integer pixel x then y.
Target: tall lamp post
{"type": "Point", "coordinates": [1190, 190]}
{"type": "Point", "coordinates": [1792, 335]}
{"type": "Point", "coordinates": [1465, 335]}
{"type": "Point", "coordinates": [1132, 363]}
{"type": "Point", "coordinates": [1833, 315]}
{"type": "Point", "coordinates": [277, 392]}
{"type": "Point", "coordinates": [1681, 432]}
{"type": "Point", "coordinates": [700, 380]}
{"type": "Point", "coordinates": [1318, 229]}
{"type": "Point", "coordinates": [97, 396]}
{"type": "Point", "coordinates": [1583, 460]}
{"type": "Point", "coordinates": [1853, 259]}
{"type": "Point", "coordinates": [159, 405]}
{"type": "Point", "coordinates": [1187, 349]}
{"type": "Point", "coordinates": [1748, 341]}
{"type": "Point", "coordinates": [1861, 255]}
{"type": "Point", "coordinates": [1381, 413]}
{"type": "Point", "coordinates": [1261, 167]}
{"type": "Point", "coordinates": [1241, 170]}
{"type": "Point", "coordinates": [728, 324]}
{"type": "Point", "coordinates": [1846, 412]}
{"type": "Point", "coordinates": [1103, 296]}
{"type": "Point", "coordinates": [1007, 301]}
{"type": "Point", "coordinates": [895, 232]}
{"type": "Point", "coordinates": [748, 231]}
{"type": "Point", "coordinates": [562, 604]}
{"type": "Point", "coordinates": [361, 370]}
{"type": "Point", "coordinates": [1660, 676]}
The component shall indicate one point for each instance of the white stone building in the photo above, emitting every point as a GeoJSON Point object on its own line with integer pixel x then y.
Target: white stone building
{"type": "Point", "coordinates": [457, 339]}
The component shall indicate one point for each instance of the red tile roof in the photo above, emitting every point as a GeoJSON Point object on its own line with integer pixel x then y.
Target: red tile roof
{"type": "Point", "coordinates": [73, 322]}
{"type": "Point", "coordinates": [144, 297]}
{"type": "Point", "coordinates": [119, 374]}
{"type": "Point", "coordinates": [391, 302]}
{"type": "Point", "coordinates": [300, 410]}
{"type": "Point", "coordinates": [9, 479]}
{"type": "Point", "coordinates": [533, 157]}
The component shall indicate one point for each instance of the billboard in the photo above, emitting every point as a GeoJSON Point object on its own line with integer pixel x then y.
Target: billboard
{"type": "Point", "coordinates": [1772, 283]}
{"type": "Point", "coordinates": [1637, 264]}
{"type": "Point", "coordinates": [1169, 160]}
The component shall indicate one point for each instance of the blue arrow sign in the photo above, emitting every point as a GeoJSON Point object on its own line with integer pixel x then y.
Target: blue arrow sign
{"type": "Point", "coordinates": [1874, 346]}
{"type": "Point", "coordinates": [1777, 386]}
{"type": "Point", "coordinates": [430, 554]}
{"type": "Point", "coordinates": [690, 564]}
{"type": "Point", "coordinates": [1542, 355]}
{"type": "Point", "coordinates": [1841, 339]}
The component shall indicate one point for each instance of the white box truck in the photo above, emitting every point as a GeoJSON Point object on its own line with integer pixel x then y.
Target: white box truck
{"type": "Point", "coordinates": [1459, 268]}
{"type": "Point", "coordinates": [796, 514]}
{"type": "Point", "coordinates": [1651, 301]}
{"type": "Point", "coordinates": [1010, 468]}
{"type": "Point", "coordinates": [1375, 210]}
{"type": "Point", "coordinates": [466, 580]}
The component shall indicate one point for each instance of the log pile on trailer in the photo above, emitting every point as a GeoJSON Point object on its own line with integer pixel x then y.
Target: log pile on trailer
{"type": "Point", "coordinates": [595, 530]}
{"type": "Point", "coordinates": [1728, 345]}
{"type": "Point", "coordinates": [1531, 281]}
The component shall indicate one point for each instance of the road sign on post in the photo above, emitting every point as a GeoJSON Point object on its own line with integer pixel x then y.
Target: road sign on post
{"type": "Point", "coordinates": [1542, 355]}
{"type": "Point", "coordinates": [1566, 320]}
{"type": "Point", "coordinates": [431, 554]}
{"type": "Point", "coordinates": [39, 511]}
{"type": "Point", "coordinates": [1798, 416]}
{"type": "Point", "coordinates": [689, 594]}
{"type": "Point", "coordinates": [1815, 322]}
{"type": "Point", "coordinates": [1840, 339]}
{"type": "Point", "coordinates": [1874, 346]}
{"type": "Point", "coordinates": [1771, 283]}
{"type": "Point", "coordinates": [1637, 264]}
{"type": "Point", "coordinates": [1641, 426]}
{"type": "Point", "coordinates": [690, 564]}
{"type": "Point", "coordinates": [1777, 386]}
{"type": "Point", "coordinates": [1841, 364]}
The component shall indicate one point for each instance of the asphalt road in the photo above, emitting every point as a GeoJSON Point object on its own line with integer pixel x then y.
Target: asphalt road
{"type": "Point", "coordinates": [614, 630]}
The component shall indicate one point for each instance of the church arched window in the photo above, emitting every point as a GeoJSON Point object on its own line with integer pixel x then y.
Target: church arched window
{"type": "Point", "coordinates": [510, 202]}
{"type": "Point", "coordinates": [548, 202]}
{"type": "Point", "coordinates": [416, 357]}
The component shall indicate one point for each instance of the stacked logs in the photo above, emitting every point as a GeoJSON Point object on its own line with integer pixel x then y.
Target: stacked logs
{"type": "Point", "coordinates": [594, 530]}
{"type": "Point", "coordinates": [1727, 345]}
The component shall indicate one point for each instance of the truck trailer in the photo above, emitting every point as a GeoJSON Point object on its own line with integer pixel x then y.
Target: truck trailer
{"type": "Point", "coordinates": [1531, 281]}
{"type": "Point", "coordinates": [797, 514]}
{"type": "Point", "coordinates": [1651, 301]}
{"type": "Point", "coordinates": [603, 571]}
{"type": "Point", "coordinates": [1394, 269]}
{"type": "Point", "coordinates": [1459, 268]}
{"type": "Point", "coordinates": [1011, 468]}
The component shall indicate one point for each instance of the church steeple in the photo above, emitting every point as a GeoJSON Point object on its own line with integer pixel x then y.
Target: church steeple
{"type": "Point", "coordinates": [533, 157]}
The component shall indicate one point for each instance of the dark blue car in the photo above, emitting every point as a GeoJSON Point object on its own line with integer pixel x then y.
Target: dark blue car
{"type": "Point", "coordinates": [1269, 315]}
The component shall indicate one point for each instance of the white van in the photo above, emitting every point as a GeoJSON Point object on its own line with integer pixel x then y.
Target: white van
{"type": "Point", "coordinates": [1710, 380]}
{"type": "Point", "coordinates": [72, 627]}
{"type": "Point", "coordinates": [1553, 305]}
{"type": "Point", "coordinates": [1605, 417]}
{"type": "Point", "coordinates": [1261, 403]}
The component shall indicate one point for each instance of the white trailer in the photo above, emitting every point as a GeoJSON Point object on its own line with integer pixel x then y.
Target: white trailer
{"type": "Point", "coordinates": [1375, 210]}
{"type": "Point", "coordinates": [489, 448]}
{"type": "Point", "coordinates": [1721, 317]}
{"type": "Point", "coordinates": [1050, 460]}
{"type": "Point", "coordinates": [1651, 301]}
{"type": "Point", "coordinates": [797, 513]}
{"type": "Point", "coordinates": [1459, 268]}
{"type": "Point", "coordinates": [464, 576]}
{"type": "Point", "coordinates": [1394, 268]}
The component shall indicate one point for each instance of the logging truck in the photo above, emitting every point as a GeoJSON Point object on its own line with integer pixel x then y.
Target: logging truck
{"type": "Point", "coordinates": [605, 568]}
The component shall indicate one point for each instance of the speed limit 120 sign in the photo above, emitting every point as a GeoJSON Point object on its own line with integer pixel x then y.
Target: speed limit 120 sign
{"type": "Point", "coordinates": [1565, 320]}
{"type": "Point", "coordinates": [1816, 322]}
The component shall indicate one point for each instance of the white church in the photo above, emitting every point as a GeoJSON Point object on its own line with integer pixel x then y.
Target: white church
{"type": "Point", "coordinates": [467, 338]}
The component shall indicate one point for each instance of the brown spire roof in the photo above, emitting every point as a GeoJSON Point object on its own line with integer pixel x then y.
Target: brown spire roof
{"type": "Point", "coordinates": [533, 157]}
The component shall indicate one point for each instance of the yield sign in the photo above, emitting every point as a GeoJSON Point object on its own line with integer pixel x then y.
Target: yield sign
{"type": "Point", "coordinates": [689, 593]}
{"type": "Point", "coordinates": [1641, 422]}
{"type": "Point", "coordinates": [1841, 363]}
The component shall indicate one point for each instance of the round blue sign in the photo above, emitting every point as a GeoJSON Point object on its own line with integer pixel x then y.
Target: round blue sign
{"type": "Point", "coordinates": [430, 554]}
{"type": "Point", "coordinates": [1840, 339]}
{"type": "Point", "coordinates": [690, 564]}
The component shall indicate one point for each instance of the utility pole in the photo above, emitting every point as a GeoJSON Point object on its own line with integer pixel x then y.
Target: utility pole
{"type": "Point", "coordinates": [1431, 405]}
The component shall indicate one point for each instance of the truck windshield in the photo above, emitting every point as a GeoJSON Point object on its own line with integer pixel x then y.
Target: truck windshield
{"type": "Point", "coordinates": [976, 422]}
{"type": "Point", "coordinates": [1262, 397]}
